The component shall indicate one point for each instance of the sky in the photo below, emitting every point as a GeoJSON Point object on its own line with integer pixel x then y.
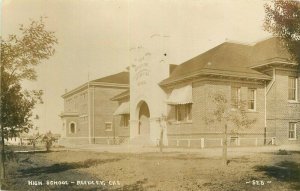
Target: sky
{"type": "Point", "coordinates": [95, 37]}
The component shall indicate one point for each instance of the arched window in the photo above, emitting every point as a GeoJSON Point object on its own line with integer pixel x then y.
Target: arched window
{"type": "Point", "coordinates": [72, 127]}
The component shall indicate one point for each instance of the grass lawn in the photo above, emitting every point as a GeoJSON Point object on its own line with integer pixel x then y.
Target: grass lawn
{"type": "Point", "coordinates": [153, 171]}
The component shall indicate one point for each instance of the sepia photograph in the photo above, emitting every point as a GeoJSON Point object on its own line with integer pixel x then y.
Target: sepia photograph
{"type": "Point", "coordinates": [150, 95]}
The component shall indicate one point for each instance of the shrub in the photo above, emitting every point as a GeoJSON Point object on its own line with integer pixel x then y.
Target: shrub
{"type": "Point", "coordinates": [48, 138]}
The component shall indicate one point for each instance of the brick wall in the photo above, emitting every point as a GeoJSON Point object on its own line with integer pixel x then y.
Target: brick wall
{"type": "Point", "coordinates": [101, 111]}
{"type": "Point", "coordinates": [203, 106]}
{"type": "Point", "coordinates": [281, 111]}
{"type": "Point", "coordinates": [104, 109]}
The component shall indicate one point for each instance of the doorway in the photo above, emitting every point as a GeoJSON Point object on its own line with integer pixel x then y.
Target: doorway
{"type": "Point", "coordinates": [144, 123]}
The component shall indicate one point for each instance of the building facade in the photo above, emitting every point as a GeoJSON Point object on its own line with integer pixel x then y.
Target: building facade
{"type": "Point", "coordinates": [87, 116]}
{"type": "Point", "coordinates": [172, 103]}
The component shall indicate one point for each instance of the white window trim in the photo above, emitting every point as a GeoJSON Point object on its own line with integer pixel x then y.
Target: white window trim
{"type": "Point", "coordinates": [295, 130]}
{"type": "Point", "coordinates": [75, 125]}
{"type": "Point", "coordinates": [254, 100]}
{"type": "Point", "coordinates": [110, 125]}
{"type": "Point", "coordinates": [296, 90]}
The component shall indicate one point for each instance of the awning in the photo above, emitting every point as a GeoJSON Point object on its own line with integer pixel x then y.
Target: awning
{"type": "Point", "coordinates": [123, 109]}
{"type": "Point", "coordinates": [181, 96]}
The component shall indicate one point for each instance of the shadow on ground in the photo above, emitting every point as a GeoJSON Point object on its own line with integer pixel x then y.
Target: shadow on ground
{"type": "Point", "coordinates": [61, 167]}
{"type": "Point", "coordinates": [285, 171]}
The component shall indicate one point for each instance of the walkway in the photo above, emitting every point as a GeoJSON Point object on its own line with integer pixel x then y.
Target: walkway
{"type": "Point", "coordinates": [206, 152]}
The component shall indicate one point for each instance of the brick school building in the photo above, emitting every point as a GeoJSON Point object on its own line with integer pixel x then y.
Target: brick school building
{"type": "Point", "coordinates": [156, 99]}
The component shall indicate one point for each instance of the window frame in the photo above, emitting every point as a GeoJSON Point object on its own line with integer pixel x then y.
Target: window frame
{"type": "Point", "coordinates": [187, 112]}
{"type": "Point", "coordinates": [293, 125]}
{"type": "Point", "coordinates": [125, 120]}
{"type": "Point", "coordinates": [295, 89]}
{"type": "Point", "coordinates": [108, 123]}
{"type": "Point", "coordinates": [254, 99]}
{"type": "Point", "coordinates": [75, 127]}
{"type": "Point", "coordinates": [237, 103]}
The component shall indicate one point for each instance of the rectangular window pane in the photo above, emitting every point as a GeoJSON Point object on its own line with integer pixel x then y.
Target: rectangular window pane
{"type": "Point", "coordinates": [108, 126]}
{"type": "Point", "coordinates": [183, 112]}
{"type": "Point", "coordinates": [292, 130]}
{"type": "Point", "coordinates": [235, 97]}
{"type": "Point", "coordinates": [125, 120]}
{"type": "Point", "coordinates": [189, 111]}
{"type": "Point", "coordinates": [292, 88]}
{"type": "Point", "coordinates": [251, 99]}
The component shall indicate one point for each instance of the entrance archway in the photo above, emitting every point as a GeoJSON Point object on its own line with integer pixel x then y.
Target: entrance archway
{"type": "Point", "coordinates": [144, 123]}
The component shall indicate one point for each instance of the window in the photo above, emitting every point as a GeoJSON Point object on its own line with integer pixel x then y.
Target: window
{"type": "Point", "coordinates": [72, 128]}
{"type": "Point", "coordinates": [292, 131]}
{"type": "Point", "coordinates": [108, 126]}
{"type": "Point", "coordinates": [125, 120]}
{"type": "Point", "coordinates": [292, 88]}
{"type": "Point", "coordinates": [235, 97]}
{"type": "Point", "coordinates": [234, 140]}
{"type": "Point", "coordinates": [183, 112]}
{"type": "Point", "coordinates": [252, 99]}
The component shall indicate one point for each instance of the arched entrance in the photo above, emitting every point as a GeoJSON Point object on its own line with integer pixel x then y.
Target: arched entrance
{"type": "Point", "coordinates": [144, 123]}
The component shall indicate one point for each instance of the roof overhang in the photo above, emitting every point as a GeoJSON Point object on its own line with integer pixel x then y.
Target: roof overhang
{"type": "Point", "coordinates": [218, 74]}
{"type": "Point", "coordinates": [276, 62]}
{"type": "Point", "coordinates": [69, 114]}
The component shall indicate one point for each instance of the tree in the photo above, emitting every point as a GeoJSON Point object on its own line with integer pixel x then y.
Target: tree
{"type": "Point", "coordinates": [48, 138]}
{"type": "Point", "coordinates": [224, 115]}
{"type": "Point", "coordinates": [282, 19]}
{"type": "Point", "coordinates": [19, 56]}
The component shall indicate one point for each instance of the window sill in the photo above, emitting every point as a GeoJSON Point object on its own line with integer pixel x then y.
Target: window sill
{"type": "Point", "coordinates": [292, 139]}
{"type": "Point", "coordinates": [251, 111]}
{"type": "Point", "coordinates": [293, 102]}
{"type": "Point", "coordinates": [181, 122]}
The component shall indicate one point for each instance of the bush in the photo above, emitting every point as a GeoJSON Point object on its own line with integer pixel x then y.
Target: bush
{"type": "Point", "coordinates": [283, 152]}
{"type": "Point", "coordinates": [48, 139]}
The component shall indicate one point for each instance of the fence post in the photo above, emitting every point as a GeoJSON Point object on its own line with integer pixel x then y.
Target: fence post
{"type": "Point", "coordinates": [273, 140]}
{"type": "Point", "coordinates": [256, 142]}
{"type": "Point", "coordinates": [189, 143]}
{"type": "Point", "coordinates": [221, 141]}
{"type": "Point", "coordinates": [177, 142]}
{"type": "Point", "coordinates": [202, 143]}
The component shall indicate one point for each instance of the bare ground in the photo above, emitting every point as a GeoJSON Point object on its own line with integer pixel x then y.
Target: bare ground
{"type": "Point", "coordinates": [155, 171]}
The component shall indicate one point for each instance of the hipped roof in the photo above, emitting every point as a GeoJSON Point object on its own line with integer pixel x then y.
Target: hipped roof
{"type": "Point", "coordinates": [231, 59]}
{"type": "Point", "coordinates": [119, 78]}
